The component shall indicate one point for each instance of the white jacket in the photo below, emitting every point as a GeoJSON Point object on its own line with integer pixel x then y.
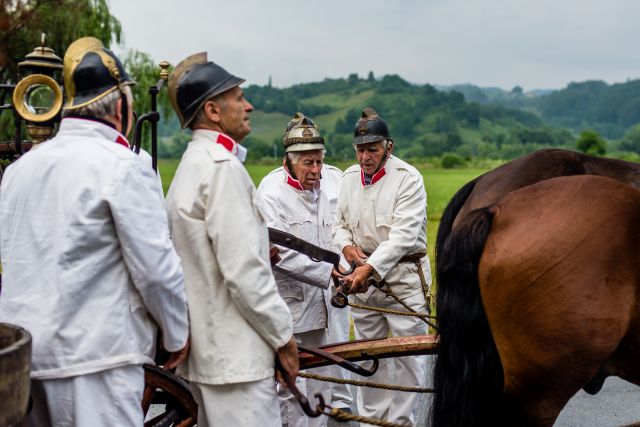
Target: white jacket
{"type": "Point", "coordinates": [86, 256]}
{"type": "Point", "coordinates": [238, 319]}
{"type": "Point", "coordinates": [387, 219]}
{"type": "Point", "coordinates": [305, 214]}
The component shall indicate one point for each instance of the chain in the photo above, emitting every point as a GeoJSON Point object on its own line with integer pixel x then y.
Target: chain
{"type": "Point", "coordinates": [359, 383]}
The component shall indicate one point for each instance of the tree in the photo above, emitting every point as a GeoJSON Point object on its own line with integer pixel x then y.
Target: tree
{"type": "Point", "coordinates": [631, 140]}
{"type": "Point", "coordinates": [590, 142]}
{"type": "Point", "coordinates": [22, 23]}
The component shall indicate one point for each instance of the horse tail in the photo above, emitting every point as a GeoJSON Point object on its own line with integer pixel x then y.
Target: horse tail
{"type": "Point", "coordinates": [450, 212]}
{"type": "Point", "coordinates": [468, 377]}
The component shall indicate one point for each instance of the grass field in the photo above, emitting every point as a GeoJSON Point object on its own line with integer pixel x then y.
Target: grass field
{"type": "Point", "coordinates": [441, 184]}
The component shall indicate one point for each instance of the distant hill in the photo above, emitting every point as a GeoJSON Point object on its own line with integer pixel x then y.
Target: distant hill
{"type": "Point", "coordinates": [429, 121]}
{"type": "Point", "coordinates": [424, 121]}
{"type": "Point", "coordinates": [609, 109]}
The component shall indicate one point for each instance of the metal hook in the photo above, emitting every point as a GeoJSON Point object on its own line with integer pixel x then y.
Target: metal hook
{"type": "Point", "coordinates": [300, 397]}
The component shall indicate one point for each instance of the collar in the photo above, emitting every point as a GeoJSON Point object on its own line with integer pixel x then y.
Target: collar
{"type": "Point", "coordinates": [366, 180]}
{"type": "Point", "coordinates": [292, 181]}
{"type": "Point", "coordinates": [84, 125]}
{"type": "Point", "coordinates": [224, 140]}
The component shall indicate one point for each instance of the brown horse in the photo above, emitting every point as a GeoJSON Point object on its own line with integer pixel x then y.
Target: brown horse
{"type": "Point", "coordinates": [535, 167]}
{"type": "Point", "coordinates": [537, 295]}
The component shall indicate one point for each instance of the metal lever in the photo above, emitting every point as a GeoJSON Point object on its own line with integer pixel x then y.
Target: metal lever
{"type": "Point", "coordinates": [346, 364]}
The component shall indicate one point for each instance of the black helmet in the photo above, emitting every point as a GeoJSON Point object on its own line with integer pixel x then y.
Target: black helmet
{"type": "Point", "coordinates": [370, 128]}
{"type": "Point", "coordinates": [194, 81]}
{"type": "Point", "coordinates": [91, 72]}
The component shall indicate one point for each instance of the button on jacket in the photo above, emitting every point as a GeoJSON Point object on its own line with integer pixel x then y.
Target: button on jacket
{"type": "Point", "coordinates": [307, 215]}
{"type": "Point", "coordinates": [88, 266]}
{"type": "Point", "coordinates": [238, 319]}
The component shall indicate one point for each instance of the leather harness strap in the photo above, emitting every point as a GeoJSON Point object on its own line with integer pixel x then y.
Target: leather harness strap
{"type": "Point", "coordinates": [411, 258]}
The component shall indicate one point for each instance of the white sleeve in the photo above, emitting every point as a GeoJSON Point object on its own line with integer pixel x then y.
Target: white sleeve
{"type": "Point", "coordinates": [292, 264]}
{"type": "Point", "coordinates": [240, 243]}
{"type": "Point", "coordinates": [407, 221]}
{"type": "Point", "coordinates": [342, 234]}
{"type": "Point", "coordinates": [154, 266]}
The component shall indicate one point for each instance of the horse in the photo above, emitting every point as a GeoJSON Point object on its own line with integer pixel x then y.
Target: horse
{"type": "Point", "coordinates": [538, 295]}
{"type": "Point", "coordinates": [488, 188]}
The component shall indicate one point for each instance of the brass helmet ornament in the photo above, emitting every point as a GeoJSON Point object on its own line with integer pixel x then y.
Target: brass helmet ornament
{"type": "Point", "coordinates": [370, 128]}
{"type": "Point", "coordinates": [194, 81]}
{"type": "Point", "coordinates": [91, 72]}
{"type": "Point", "coordinates": [302, 134]}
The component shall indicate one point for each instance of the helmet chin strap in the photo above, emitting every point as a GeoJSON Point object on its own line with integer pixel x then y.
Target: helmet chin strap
{"type": "Point", "coordinates": [124, 112]}
{"type": "Point", "coordinates": [382, 161]}
{"type": "Point", "coordinates": [288, 166]}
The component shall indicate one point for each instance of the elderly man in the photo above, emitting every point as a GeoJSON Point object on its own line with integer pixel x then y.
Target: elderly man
{"type": "Point", "coordinates": [88, 266]}
{"type": "Point", "coordinates": [238, 320]}
{"type": "Point", "coordinates": [381, 227]}
{"type": "Point", "coordinates": [330, 179]}
{"type": "Point", "coordinates": [291, 201]}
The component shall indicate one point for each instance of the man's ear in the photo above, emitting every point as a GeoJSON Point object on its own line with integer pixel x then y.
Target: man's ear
{"type": "Point", "coordinates": [212, 111]}
{"type": "Point", "coordinates": [390, 147]}
{"type": "Point", "coordinates": [118, 116]}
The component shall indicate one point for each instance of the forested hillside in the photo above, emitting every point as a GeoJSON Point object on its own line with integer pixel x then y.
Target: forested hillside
{"type": "Point", "coordinates": [462, 121]}
{"type": "Point", "coordinates": [608, 109]}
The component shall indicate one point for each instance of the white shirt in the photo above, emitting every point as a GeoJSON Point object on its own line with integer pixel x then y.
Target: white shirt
{"type": "Point", "coordinates": [88, 266]}
{"type": "Point", "coordinates": [238, 319]}
{"type": "Point", "coordinates": [305, 214]}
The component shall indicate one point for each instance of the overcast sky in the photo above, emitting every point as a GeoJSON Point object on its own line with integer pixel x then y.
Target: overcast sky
{"type": "Point", "coordinates": [532, 43]}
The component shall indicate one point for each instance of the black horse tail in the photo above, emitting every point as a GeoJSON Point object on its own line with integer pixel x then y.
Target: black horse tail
{"type": "Point", "coordinates": [450, 213]}
{"type": "Point", "coordinates": [468, 376]}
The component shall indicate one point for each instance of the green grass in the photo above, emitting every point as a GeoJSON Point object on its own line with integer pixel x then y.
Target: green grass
{"type": "Point", "coordinates": [441, 185]}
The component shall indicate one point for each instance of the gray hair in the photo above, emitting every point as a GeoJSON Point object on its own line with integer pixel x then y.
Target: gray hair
{"type": "Point", "coordinates": [200, 117]}
{"type": "Point", "coordinates": [295, 156]}
{"type": "Point", "coordinates": [103, 107]}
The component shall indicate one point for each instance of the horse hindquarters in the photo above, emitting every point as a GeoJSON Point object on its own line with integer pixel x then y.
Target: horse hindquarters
{"type": "Point", "coordinates": [467, 374]}
{"type": "Point", "coordinates": [558, 279]}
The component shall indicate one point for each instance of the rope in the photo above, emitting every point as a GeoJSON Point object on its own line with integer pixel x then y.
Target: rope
{"type": "Point", "coordinates": [358, 383]}
{"type": "Point", "coordinates": [410, 312]}
{"type": "Point", "coordinates": [340, 415]}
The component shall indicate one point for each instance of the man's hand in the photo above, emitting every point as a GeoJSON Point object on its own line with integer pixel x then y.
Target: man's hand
{"type": "Point", "coordinates": [354, 254]}
{"type": "Point", "coordinates": [273, 255]}
{"type": "Point", "coordinates": [288, 357]}
{"type": "Point", "coordinates": [178, 357]}
{"type": "Point", "coordinates": [357, 281]}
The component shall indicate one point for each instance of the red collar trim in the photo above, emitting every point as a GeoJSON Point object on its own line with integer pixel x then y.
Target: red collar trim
{"type": "Point", "coordinates": [122, 141]}
{"type": "Point", "coordinates": [376, 176]}
{"type": "Point", "coordinates": [293, 182]}
{"type": "Point", "coordinates": [228, 143]}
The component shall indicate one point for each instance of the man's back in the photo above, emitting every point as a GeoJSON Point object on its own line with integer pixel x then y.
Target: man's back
{"type": "Point", "coordinates": [71, 247]}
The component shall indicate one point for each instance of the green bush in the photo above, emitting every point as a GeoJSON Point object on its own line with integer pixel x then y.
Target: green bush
{"type": "Point", "coordinates": [451, 160]}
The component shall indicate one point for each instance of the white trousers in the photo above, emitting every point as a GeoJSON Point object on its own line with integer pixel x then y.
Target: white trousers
{"type": "Point", "coordinates": [250, 404]}
{"type": "Point", "coordinates": [339, 332]}
{"type": "Point", "coordinates": [394, 406]}
{"type": "Point", "coordinates": [292, 414]}
{"type": "Point", "coordinates": [108, 398]}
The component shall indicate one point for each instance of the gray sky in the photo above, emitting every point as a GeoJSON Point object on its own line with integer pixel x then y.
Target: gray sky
{"type": "Point", "coordinates": [531, 43]}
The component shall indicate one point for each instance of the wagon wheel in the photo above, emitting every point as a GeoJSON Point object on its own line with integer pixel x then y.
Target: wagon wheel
{"type": "Point", "coordinates": [165, 388]}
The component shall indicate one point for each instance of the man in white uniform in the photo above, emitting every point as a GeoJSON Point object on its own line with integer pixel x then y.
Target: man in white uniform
{"type": "Point", "coordinates": [87, 264]}
{"type": "Point", "coordinates": [339, 325]}
{"type": "Point", "coordinates": [381, 226]}
{"type": "Point", "coordinates": [291, 200]}
{"type": "Point", "coordinates": [238, 320]}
